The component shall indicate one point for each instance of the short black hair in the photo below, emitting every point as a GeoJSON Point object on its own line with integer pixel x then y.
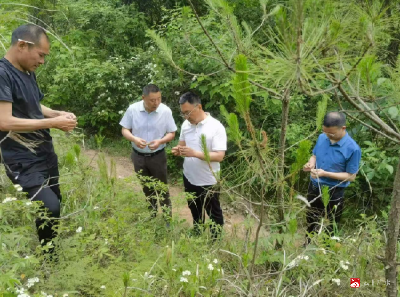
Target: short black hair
{"type": "Point", "coordinates": [150, 88]}
{"type": "Point", "coordinates": [190, 97]}
{"type": "Point", "coordinates": [335, 119]}
{"type": "Point", "coordinates": [28, 32]}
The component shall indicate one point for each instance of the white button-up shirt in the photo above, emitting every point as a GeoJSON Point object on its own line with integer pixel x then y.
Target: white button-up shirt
{"type": "Point", "coordinates": [197, 171]}
{"type": "Point", "coordinates": [148, 126]}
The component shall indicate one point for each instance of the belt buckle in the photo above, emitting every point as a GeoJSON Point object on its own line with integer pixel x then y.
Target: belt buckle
{"type": "Point", "coordinates": [147, 155]}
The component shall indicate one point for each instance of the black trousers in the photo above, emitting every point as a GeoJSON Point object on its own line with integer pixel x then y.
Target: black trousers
{"type": "Point", "coordinates": [39, 178]}
{"type": "Point", "coordinates": [317, 209]}
{"type": "Point", "coordinates": [205, 199]}
{"type": "Point", "coordinates": [156, 167]}
{"type": "Point", "coordinates": [49, 193]}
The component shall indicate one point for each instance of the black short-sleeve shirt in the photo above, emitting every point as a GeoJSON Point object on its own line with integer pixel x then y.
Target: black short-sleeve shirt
{"type": "Point", "coordinates": [21, 89]}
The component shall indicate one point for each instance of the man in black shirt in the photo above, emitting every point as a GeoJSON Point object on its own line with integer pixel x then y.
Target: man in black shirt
{"type": "Point", "coordinates": [22, 116]}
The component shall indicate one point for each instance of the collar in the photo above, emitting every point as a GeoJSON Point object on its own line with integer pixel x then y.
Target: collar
{"type": "Point", "coordinates": [141, 107]}
{"type": "Point", "coordinates": [341, 142]}
{"type": "Point", "coordinates": [208, 116]}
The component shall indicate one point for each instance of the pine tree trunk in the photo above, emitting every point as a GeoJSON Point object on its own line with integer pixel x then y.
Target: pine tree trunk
{"type": "Point", "coordinates": [392, 234]}
{"type": "Point", "coordinates": [282, 145]}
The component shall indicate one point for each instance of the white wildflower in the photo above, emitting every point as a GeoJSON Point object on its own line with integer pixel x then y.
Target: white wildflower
{"type": "Point", "coordinates": [28, 203]}
{"type": "Point", "coordinates": [304, 258]}
{"type": "Point", "coordinates": [335, 238]}
{"type": "Point", "coordinates": [194, 78]}
{"type": "Point", "coordinates": [65, 295]}
{"type": "Point", "coordinates": [108, 99]}
{"type": "Point", "coordinates": [177, 93]}
{"type": "Point", "coordinates": [292, 264]}
{"type": "Point", "coordinates": [32, 281]}
{"type": "Point", "coordinates": [121, 112]}
{"type": "Point", "coordinates": [79, 230]}
{"type": "Point", "coordinates": [336, 280]}
{"type": "Point", "coordinates": [343, 265]}
{"type": "Point", "coordinates": [20, 291]}
{"type": "Point", "coordinates": [215, 261]}
{"type": "Point", "coordinates": [18, 187]}
{"type": "Point", "coordinates": [9, 199]}
{"type": "Point", "coordinates": [186, 272]}
{"type": "Point", "coordinates": [210, 267]}
{"type": "Point", "coordinates": [26, 257]}
{"type": "Point", "coordinates": [184, 280]}
{"type": "Point", "coordinates": [296, 261]}
{"type": "Point", "coordinates": [173, 269]}
{"type": "Point", "coordinates": [96, 207]}
{"type": "Point", "coordinates": [353, 240]}
{"type": "Point", "coordinates": [103, 287]}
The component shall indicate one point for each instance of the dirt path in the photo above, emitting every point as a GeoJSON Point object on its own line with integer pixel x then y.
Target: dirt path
{"type": "Point", "coordinates": [124, 167]}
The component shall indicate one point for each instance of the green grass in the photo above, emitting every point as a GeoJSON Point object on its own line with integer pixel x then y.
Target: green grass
{"type": "Point", "coordinates": [120, 249]}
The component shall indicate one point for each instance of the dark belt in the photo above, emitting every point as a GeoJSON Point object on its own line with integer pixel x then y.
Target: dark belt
{"type": "Point", "coordinates": [148, 154]}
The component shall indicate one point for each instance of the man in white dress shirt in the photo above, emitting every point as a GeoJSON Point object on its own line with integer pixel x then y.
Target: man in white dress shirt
{"type": "Point", "coordinates": [149, 125]}
{"type": "Point", "coordinates": [199, 179]}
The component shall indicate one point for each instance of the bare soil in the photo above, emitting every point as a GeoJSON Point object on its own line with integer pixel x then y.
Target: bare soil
{"type": "Point", "coordinates": [234, 221]}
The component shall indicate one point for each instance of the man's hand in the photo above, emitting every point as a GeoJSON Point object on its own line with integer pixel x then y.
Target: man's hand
{"type": "Point", "coordinates": [140, 143]}
{"type": "Point", "coordinates": [153, 145]}
{"type": "Point", "coordinates": [176, 151]}
{"type": "Point", "coordinates": [187, 152]}
{"type": "Point", "coordinates": [308, 166]}
{"type": "Point", "coordinates": [69, 115]}
{"type": "Point", "coordinates": [64, 123]}
{"type": "Point", "coordinates": [316, 173]}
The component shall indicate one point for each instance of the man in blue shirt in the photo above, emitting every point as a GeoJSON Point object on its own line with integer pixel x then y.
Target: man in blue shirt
{"type": "Point", "coordinates": [334, 163]}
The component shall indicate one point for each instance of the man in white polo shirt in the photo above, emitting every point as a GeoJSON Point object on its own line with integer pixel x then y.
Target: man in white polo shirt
{"type": "Point", "coordinates": [198, 177]}
{"type": "Point", "coordinates": [149, 125]}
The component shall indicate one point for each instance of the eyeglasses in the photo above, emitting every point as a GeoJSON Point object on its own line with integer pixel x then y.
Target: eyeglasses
{"type": "Point", "coordinates": [329, 134]}
{"type": "Point", "coordinates": [30, 42]}
{"type": "Point", "coordinates": [186, 115]}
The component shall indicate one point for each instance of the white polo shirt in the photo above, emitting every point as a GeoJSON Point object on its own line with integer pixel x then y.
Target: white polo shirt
{"type": "Point", "coordinates": [197, 171]}
{"type": "Point", "coordinates": [148, 126]}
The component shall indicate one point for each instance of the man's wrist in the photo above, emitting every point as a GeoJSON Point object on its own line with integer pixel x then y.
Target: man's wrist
{"type": "Point", "coordinates": [55, 113]}
{"type": "Point", "coordinates": [199, 155]}
{"type": "Point", "coordinates": [50, 122]}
